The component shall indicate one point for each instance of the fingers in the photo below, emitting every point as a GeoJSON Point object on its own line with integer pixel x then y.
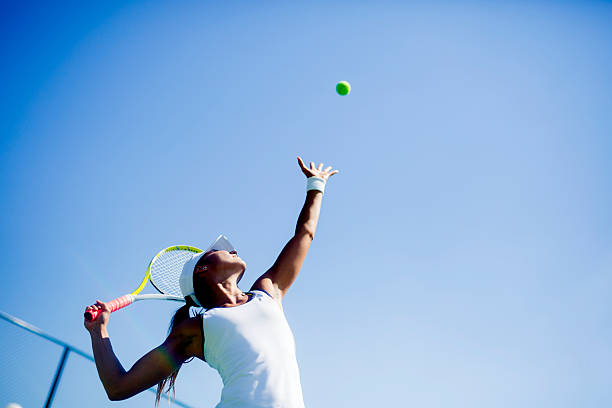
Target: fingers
{"type": "Point", "coordinates": [98, 306]}
{"type": "Point", "coordinates": [301, 163]}
{"type": "Point", "coordinates": [102, 305]}
{"type": "Point", "coordinates": [92, 308]}
{"type": "Point", "coordinates": [316, 171]}
{"type": "Point", "coordinates": [326, 171]}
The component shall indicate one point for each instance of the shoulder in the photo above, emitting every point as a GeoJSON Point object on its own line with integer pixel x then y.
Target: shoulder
{"type": "Point", "coordinates": [187, 337]}
{"type": "Point", "coordinates": [189, 327]}
{"type": "Point", "coordinates": [266, 285]}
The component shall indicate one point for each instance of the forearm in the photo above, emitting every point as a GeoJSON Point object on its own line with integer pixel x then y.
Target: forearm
{"type": "Point", "coordinates": [309, 216]}
{"type": "Point", "coordinates": [109, 368]}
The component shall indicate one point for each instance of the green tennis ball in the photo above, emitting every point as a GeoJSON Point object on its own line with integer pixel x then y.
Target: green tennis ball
{"type": "Point", "coordinates": [343, 88]}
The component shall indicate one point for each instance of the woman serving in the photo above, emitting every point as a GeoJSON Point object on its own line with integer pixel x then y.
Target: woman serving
{"type": "Point", "coordinates": [244, 336]}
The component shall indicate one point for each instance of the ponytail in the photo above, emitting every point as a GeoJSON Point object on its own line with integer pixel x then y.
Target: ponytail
{"type": "Point", "coordinates": [205, 296]}
{"type": "Point", "coordinates": [179, 316]}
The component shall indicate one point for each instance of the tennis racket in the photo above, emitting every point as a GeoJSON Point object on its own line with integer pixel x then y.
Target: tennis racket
{"type": "Point", "coordinates": [164, 272]}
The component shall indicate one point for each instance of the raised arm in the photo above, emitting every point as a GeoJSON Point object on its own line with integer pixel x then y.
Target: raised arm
{"type": "Point", "coordinates": [284, 271]}
{"type": "Point", "coordinates": [154, 366]}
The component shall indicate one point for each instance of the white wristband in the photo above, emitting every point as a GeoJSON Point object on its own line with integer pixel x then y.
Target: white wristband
{"type": "Point", "coordinates": [315, 183]}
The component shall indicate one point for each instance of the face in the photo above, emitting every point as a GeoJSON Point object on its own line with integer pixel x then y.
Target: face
{"type": "Point", "coordinates": [220, 265]}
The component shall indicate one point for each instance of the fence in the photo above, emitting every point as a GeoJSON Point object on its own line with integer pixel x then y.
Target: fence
{"type": "Point", "coordinates": [25, 381]}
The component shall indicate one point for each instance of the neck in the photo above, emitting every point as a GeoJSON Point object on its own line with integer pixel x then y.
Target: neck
{"type": "Point", "coordinates": [228, 294]}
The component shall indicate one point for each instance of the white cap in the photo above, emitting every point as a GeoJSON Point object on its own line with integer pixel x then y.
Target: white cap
{"type": "Point", "coordinates": [186, 279]}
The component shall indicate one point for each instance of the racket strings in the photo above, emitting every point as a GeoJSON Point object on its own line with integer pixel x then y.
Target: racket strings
{"type": "Point", "coordinates": [166, 271]}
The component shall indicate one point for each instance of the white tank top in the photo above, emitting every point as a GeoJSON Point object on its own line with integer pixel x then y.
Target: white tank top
{"type": "Point", "coordinates": [253, 349]}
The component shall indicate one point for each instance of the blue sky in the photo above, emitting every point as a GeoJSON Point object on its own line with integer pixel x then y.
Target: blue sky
{"type": "Point", "coordinates": [463, 252]}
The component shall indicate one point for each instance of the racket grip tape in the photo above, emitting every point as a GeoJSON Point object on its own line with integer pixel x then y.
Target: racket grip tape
{"type": "Point", "coordinates": [113, 305]}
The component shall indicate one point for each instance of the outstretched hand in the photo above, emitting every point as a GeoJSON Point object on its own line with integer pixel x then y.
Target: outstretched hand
{"type": "Point", "coordinates": [316, 171]}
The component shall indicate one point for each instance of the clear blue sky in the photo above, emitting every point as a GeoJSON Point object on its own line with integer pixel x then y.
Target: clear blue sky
{"type": "Point", "coordinates": [463, 252]}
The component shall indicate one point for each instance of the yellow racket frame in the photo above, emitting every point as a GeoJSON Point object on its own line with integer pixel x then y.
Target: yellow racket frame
{"type": "Point", "coordinates": [160, 253]}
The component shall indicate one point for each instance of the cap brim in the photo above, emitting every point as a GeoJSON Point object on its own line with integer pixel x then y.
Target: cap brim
{"type": "Point", "coordinates": [221, 244]}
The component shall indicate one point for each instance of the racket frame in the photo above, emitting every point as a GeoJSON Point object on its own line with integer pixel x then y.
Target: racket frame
{"type": "Point", "coordinates": [160, 253]}
{"type": "Point", "coordinates": [126, 300]}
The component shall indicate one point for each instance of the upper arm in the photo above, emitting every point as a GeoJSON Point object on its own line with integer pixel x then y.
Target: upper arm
{"type": "Point", "coordinates": [180, 345]}
{"type": "Point", "coordinates": [283, 273]}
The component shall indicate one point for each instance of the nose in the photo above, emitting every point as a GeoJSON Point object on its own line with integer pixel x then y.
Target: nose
{"type": "Point", "coordinates": [233, 252]}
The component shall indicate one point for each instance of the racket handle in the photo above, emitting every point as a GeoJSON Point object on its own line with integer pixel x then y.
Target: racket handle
{"type": "Point", "coordinates": [113, 305]}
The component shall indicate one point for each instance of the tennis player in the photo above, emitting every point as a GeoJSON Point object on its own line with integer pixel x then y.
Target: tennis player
{"type": "Point", "coordinates": [243, 335]}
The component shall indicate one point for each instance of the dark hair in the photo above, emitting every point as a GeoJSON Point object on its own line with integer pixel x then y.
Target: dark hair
{"type": "Point", "coordinates": [203, 292]}
{"type": "Point", "coordinates": [180, 315]}
{"type": "Point", "coordinates": [205, 297]}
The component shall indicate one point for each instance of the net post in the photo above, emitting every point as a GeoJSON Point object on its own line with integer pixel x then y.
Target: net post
{"type": "Point", "coordinates": [58, 375]}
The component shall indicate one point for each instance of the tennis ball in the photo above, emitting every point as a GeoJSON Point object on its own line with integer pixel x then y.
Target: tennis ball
{"type": "Point", "coordinates": [13, 405]}
{"type": "Point", "coordinates": [343, 88]}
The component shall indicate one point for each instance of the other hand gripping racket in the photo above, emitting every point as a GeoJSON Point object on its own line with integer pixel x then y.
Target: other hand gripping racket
{"type": "Point", "coordinates": [164, 271]}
